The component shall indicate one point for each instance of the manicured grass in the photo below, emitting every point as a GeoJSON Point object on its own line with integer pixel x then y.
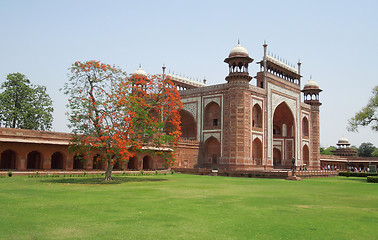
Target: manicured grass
{"type": "Point", "coordinates": [187, 207]}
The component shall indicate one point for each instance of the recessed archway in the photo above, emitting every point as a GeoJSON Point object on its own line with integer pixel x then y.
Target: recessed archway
{"type": "Point", "coordinates": [57, 161]}
{"type": "Point", "coordinates": [188, 125]}
{"type": "Point", "coordinates": [117, 165]}
{"type": "Point", "coordinates": [277, 158]}
{"type": "Point", "coordinates": [284, 133]}
{"type": "Point", "coordinates": [97, 162]}
{"type": "Point", "coordinates": [78, 162]}
{"type": "Point", "coordinates": [212, 150]}
{"type": "Point", "coordinates": [133, 163]}
{"type": "Point", "coordinates": [8, 159]}
{"type": "Point", "coordinates": [34, 160]}
{"type": "Point", "coordinates": [256, 116]}
{"type": "Point", "coordinates": [147, 163]}
{"type": "Point", "coordinates": [306, 155]}
{"type": "Point", "coordinates": [257, 151]}
{"type": "Point", "coordinates": [212, 118]}
{"type": "Point", "coordinates": [305, 127]}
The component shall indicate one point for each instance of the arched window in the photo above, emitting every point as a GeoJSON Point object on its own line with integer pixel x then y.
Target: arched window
{"type": "Point", "coordinates": [276, 130]}
{"type": "Point", "coordinates": [284, 130]}
{"type": "Point", "coordinates": [256, 116]}
{"type": "Point", "coordinates": [212, 116]}
{"type": "Point", "coordinates": [305, 127]}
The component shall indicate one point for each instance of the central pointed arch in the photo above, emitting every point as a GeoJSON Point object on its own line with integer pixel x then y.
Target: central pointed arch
{"type": "Point", "coordinates": [284, 135]}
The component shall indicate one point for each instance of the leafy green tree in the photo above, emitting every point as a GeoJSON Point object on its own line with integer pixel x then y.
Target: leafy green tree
{"type": "Point", "coordinates": [366, 149]}
{"type": "Point", "coordinates": [367, 116]}
{"type": "Point", "coordinates": [375, 153]}
{"type": "Point", "coordinates": [23, 105]}
{"type": "Point", "coordinates": [327, 151]}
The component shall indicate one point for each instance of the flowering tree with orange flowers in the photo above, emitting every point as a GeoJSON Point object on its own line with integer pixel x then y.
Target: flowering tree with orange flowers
{"type": "Point", "coordinates": [115, 115]}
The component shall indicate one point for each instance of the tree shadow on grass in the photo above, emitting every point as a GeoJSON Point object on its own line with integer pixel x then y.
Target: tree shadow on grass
{"type": "Point", "coordinates": [99, 180]}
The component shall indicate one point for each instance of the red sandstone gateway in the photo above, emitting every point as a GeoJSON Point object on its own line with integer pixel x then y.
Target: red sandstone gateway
{"type": "Point", "coordinates": [230, 126]}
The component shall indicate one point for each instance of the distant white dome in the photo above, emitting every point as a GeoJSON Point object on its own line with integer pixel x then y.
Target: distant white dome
{"type": "Point", "coordinates": [343, 141]}
{"type": "Point", "coordinates": [238, 50]}
{"type": "Point", "coordinates": [140, 71]}
{"type": "Point", "coordinates": [311, 84]}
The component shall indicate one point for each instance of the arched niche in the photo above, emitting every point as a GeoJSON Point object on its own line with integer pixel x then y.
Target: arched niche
{"type": "Point", "coordinates": [212, 150]}
{"type": "Point", "coordinates": [305, 127]}
{"type": "Point", "coordinates": [306, 155]}
{"type": "Point", "coordinates": [212, 119]}
{"type": "Point", "coordinates": [257, 152]}
{"type": "Point", "coordinates": [256, 116]}
{"type": "Point", "coordinates": [188, 125]}
{"type": "Point", "coordinates": [277, 158]}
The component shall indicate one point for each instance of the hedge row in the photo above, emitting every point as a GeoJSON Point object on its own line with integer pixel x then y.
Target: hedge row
{"type": "Point", "coordinates": [358, 174]}
{"type": "Point", "coordinates": [372, 179]}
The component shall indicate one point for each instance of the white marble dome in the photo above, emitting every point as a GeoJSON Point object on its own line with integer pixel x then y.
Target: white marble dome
{"type": "Point", "coordinates": [343, 141]}
{"type": "Point", "coordinates": [238, 50]}
{"type": "Point", "coordinates": [140, 71]}
{"type": "Point", "coordinates": [311, 84]}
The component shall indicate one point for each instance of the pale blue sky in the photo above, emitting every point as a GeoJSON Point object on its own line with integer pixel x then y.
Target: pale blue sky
{"type": "Point", "coordinates": [336, 42]}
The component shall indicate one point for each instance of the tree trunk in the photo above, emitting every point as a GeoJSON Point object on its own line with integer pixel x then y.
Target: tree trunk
{"type": "Point", "coordinates": [109, 169]}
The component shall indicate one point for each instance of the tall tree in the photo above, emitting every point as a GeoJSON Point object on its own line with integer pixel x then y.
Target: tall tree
{"type": "Point", "coordinates": [368, 115]}
{"type": "Point", "coordinates": [117, 115]}
{"type": "Point", "coordinates": [366, 149]}
{"type": "Point", "coordinates": [23, 105]}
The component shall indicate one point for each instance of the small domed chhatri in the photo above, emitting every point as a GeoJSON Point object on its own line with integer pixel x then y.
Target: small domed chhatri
{"type": "Point", "coordinates": [140, 71]}
{"type": "Point", "coordinates": [311, 84]}
{"type": "Point", "coordinates": [343, 141]}
{"type": "Point", "coordinates": [238, 50]}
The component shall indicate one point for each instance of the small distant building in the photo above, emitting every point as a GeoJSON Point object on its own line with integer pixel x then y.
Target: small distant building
{"type": "Point", "coordinates": [344, 149]}
{"type": "Point", "coordinates": [345, 155]}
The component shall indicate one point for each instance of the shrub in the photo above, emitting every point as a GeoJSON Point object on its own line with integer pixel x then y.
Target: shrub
{"type": "Point", "coordinates": [358, 174]}
{"type": "Point", "coordinates": [372, 179]}
{"type": "Point", "coordinates": [141, 172]}
{"type": "Point", "coordinates": [172, 171]}
{"type": "Point", "coordinates": [10, 173]}
{"type": "Point", "coordinates": [156, 172]}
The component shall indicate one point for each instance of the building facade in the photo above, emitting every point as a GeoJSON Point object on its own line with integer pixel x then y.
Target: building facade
{"type": "Point", "coordinates": [234, 125]}
{"type": "Point", "coordinates": [240, 126]}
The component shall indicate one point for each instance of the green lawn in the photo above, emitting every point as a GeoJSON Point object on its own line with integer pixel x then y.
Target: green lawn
{"type": "Point", "coordinates": [187, 207]}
